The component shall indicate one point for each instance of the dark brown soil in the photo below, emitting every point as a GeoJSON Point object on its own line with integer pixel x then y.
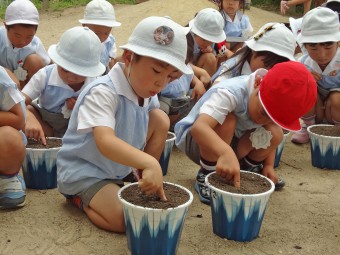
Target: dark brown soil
{"type": "Point", "coordinates": [175, 195]}
{"type": "Point", "coordinates": [326, 130]}
{"type": "Point", "coordinates": [50, 143]}
{"type": "Point", "coordinates": [250, 184]}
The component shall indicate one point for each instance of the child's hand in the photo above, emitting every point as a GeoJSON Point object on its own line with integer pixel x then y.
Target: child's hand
{"type": "Point", "coordinates": [269, 172]}
{"type": "Point", "coordinates": [70, 102]}
{"type": "Point", "coordinates": [228, 167]}
{"type": "Point", "coordinates": [152, 181]}
{"type": "Point", "coordinates": [33, 129]}
{"type": "Point", "coordinates": [204, 77]}
{"type": "Point", "coordinates": [316, 76]}
{"type": "Point", "coordinates": [198, 90]}
{"type": "Point", "coordinates": [208, 49]}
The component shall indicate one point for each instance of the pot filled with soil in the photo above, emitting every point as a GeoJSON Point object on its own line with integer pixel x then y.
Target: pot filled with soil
{"type": "Point", "coordinates": [279, 149]}
{"type": "Point", "coordinates": [154, 227]}
{"type": "Point", "coordinates": [165, 157]}
{"type": "Point", "coordinates": [39, 167]}
{"type": "Point", "coordinates": [237, 214]}
{"type": "Point", "coordinates": [325, 146]}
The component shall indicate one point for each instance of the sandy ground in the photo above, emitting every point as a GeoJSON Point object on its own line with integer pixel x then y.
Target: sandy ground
{"type": "Point", "coordinates": [304, 218]}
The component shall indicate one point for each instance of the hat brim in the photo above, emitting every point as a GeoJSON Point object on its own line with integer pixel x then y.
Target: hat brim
{"type": "Point", "coordinates": [293, 126]}
{"type": "Point", "coordinates": [104, 23]}
{"type": "Point", "coordinates": [215, 39]}
{"type": "Point", "coordinates": [318, 38]}
{"type": "Point", "coordinates": [173, 61]}
{"type": "Point", "coordinates": [91, 71]}
{"type": "Point", "coordinates": [21, 21]}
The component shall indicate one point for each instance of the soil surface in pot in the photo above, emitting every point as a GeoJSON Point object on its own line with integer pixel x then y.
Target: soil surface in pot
{"type": "Point", "coordinates": [50, 143]}
{"type": "Point", "coordinates": [326, 130]}
{"type": "Point", "coordinates": [250, 184]}
{"type": "Point", "coordinates": [175, 195]}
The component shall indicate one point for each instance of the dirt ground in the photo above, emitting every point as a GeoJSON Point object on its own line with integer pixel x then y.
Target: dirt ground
{"type": "Point", "coordinates": [303, 218]}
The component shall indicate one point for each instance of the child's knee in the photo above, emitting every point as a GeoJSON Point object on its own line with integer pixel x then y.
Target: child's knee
{"type": "Point", "coordinates": [159, 119]}
{"type": "Point", "coordinates": [12, 142]}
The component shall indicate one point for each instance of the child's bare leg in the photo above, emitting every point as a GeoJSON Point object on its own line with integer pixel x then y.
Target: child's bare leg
{"type": "Point", "coordinates": [333, 108]}
{"type": "Point", "coordinates": [33, 63]}
{"type": "Point", "coordinates": [208, 62]}
{"type": "Point", "coordinates": [48, 130]}
{"type": "Point", "coordinates": [320, 110]}
{"type": "Point", "coordinates": [159, 124]}
{"type": "Point", "coordinates": [105, 210]}
{"type": "Point", "coordinates": [12, 76]}
{"type": "Point", "coordinates": [12, 150]}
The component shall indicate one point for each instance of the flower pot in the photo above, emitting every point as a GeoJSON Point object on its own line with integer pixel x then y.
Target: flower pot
{"type": "Point", "coordinates": [325, 150]}
{"type": "Point", "coordinates": [279, 150]}
{"type": "Point", "coordinates": [165, 157]}
{"type": "Point", "coordinates": [153, 231]}
{"type": "Point", "coordinates": [39, 167]}
{"type": "Point", "coordinates": [237, 216]}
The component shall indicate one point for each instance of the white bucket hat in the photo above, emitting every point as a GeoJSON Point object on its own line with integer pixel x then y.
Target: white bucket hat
{"type": "Point", "coordinates": [21, 12]}
{"type": "Point", "coordinates": [160, 38]}
{"type": "Point", "coordinates": [319, 25]}
{"type": "Point", "coordinates": [100, 12]}
{"type": "Point", "coordinates": [295, 25]}
{"type": "Point", "coordinates": [78, 51]}
{"type": "Point", "coordinates": [208, 24]}
{"type": "Point", "coordinates": [274, 37]}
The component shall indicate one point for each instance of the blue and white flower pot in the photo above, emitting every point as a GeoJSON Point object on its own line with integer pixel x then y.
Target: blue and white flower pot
{"type": "Point", "coordinates": [165, 157]}
{"type": "Point", "coordinates": [152, 231]}
{"type": "Point", "coordinates": [235, 216]}
{"type": "Point", "coordinates": [325, 150]}
{"type": "Point", "coordinates": [39, 167]}
{"type": "Point", "coordinates": [279, 150]}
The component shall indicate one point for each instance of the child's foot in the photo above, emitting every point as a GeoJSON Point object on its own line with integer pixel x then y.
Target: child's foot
{"type": "Point", "coordinates": [301, 136]}
{"type": "Point", "coordinates": [12, 191]}
{"type": "Point", "coordinates": [280, 184]}
{"type": "Point", "coordinates": [201, 188]}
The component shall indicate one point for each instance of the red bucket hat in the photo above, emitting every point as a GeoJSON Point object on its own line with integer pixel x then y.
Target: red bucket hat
{"type": "Point", "coordinates": [287, 92]}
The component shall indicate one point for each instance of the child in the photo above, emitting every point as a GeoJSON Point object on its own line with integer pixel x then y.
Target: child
{"type": "Point", "coordinates": [57, 86]}
{"type": "Point", "coordinates": [320, 36]}
{"type": "Point", "coordinates": [206, 29]}
{"type": "Point", "coordinates": [100, 18]}
{"type": "Point", "coordinates": [21, 52]}
{"type": "Point", "coordinates": [12, 143]}
{"type": "Point", "coordinates": [116, 125]}
{"type": "Point", "coordinates": [273, 43]}
{"type": "Point", "coordinates": [237, 26]}
{"type": "Point", "coordinates": [250, 110]}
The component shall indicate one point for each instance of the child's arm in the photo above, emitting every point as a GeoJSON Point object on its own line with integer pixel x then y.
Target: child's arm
{"type": "Point", "coordinates": [198, 88]}
{"type": "Point", "coordinates": [121, 152]}
{"type": "Point", "coordinates": [204, 134]}
{"type": "Point", "coordinates": [14, 117]}
{"type": "Point", "coordinates": [201, 74]}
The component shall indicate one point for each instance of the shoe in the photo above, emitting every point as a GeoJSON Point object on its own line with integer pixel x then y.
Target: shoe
{"type": "Point", "coordinates": [12, 192]}
{"type": "Point", "coordinates": [301, 136]}
{"type": "Point", "coordinates": [250, 168]}
{"type": "Point", "coordinates": [201, 188]}
{"type": "Point", "coordinates": [280, 184]}
{"type": "Point", "coordinates": [75, 200]}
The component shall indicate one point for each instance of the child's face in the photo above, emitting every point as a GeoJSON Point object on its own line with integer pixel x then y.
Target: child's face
{"type": "Point", "coordinates": [71, 79]}
{"type": "Point", "coordinates": [231, 7]}
{"type": "Point", "coordinates": [256, 111]}
{"type": "Point", "coordinates": [20, 36]}
{"type": "Point", "coordinates": [101, 31]}
{"type": "Point", "coordinates": [202, 43]}
{"type": "Point", "coordinates": [148, 76]}
{"type": "Point", "coordinates": [322, 53]}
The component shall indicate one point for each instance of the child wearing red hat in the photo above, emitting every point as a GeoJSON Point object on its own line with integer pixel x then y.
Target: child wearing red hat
{"type": "Point", "coordinates": [238, 123]}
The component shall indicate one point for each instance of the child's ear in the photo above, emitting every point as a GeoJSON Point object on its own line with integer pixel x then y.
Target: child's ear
{"type": "Point", "coordinates": [127, 55]}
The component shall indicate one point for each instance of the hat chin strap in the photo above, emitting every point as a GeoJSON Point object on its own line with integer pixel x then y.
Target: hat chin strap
{"type": "Point", "coordinates": [129, 68]}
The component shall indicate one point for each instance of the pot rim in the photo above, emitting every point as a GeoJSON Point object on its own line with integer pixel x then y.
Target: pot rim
{"type": "Point", "coordinates": [319, 135]}
{"type": "Point", "coordinates": [268, 192]}
{"type": "Point", "coordinates": [172, 138]}
{"type": "Point", "coordinates": [186, 204]}
{"type": "Point", "coordinates": [45, 149]}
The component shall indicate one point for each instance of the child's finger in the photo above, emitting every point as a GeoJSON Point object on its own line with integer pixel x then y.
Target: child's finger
{"type": "Point", "coordinates": [237, 181]}
{"type": "Point", "coordinates": [161, 194]}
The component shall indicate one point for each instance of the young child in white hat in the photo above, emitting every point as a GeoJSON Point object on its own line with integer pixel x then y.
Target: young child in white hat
{"type": "Point", "coordinates": [21, 52]}
{"type": "Point", "coordinates": [116, 125]}
{"type": "Point", "coordinates": [320, 36]}
{"type": "Point", "coordinates": [273, 43]}
{"type": "Point", "coordinates": [237, 124]}
{"type": "Point", "coordinates": [76, 63]}
{"type": "Point", "coordinates": [206, 29]}
{"type": "Point", "coordinates": [100, 18]}
{"type": "Point", "coordinates": [12, 143]}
